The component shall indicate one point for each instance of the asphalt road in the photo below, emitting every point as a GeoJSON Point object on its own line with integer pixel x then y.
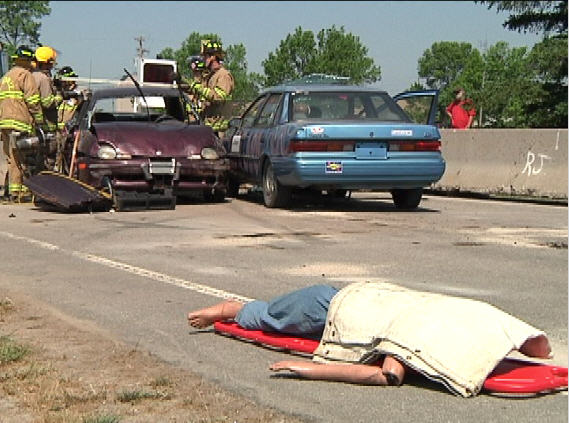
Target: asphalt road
{"type": "Point", "coordinates": [137, 274]}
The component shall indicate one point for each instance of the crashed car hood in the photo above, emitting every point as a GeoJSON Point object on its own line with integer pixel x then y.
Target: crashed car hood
{"type": "Point", "coordinates": [168, 139]}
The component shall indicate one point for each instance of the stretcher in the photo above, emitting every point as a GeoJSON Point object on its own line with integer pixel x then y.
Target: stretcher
{"type": "Point", "coordinates": [511, 376]}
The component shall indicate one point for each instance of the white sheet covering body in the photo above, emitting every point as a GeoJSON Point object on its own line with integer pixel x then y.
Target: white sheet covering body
{"type": "Point", "coordinates": [452, 340]}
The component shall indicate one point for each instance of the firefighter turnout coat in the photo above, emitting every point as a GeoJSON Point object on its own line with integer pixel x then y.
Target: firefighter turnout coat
{"type": "Point", "coordinates": [20, 106]}
{"type": "Point", "coordinates": [65, 112]}
{"type": "Point", "coordinates": [216, 91]}
{"type": "Point", "coordinates": [49, 100]}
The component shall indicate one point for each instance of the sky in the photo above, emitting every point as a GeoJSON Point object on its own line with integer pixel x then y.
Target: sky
{"type": "Point", "coordinates": [97, 38]}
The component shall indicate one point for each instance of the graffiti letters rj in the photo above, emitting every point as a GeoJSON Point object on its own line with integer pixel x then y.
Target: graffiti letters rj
{"type": "Point", "coordinates": [534, 165]}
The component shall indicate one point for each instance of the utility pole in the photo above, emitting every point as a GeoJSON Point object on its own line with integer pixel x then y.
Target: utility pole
{"type": "Point", "coordinates": [140, 50]}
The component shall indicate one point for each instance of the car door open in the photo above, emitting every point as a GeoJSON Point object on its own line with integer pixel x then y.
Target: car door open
{"type": "Point", "coordinates": [421, 106]}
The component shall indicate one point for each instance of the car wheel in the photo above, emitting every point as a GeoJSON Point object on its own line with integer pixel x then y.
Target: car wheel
{"type": "Point", "coordinates": [213, 195]}
{"type": "Point", "coordinates": [274, 194]}
{"type": "Point", "coordinates": [407, 199]}
{"type": "Point", "coordinates": [232, 187]}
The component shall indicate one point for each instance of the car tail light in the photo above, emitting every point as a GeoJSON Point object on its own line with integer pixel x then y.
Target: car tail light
{"type": "Point", "coordinates": [297, 146]}
{"type": "Point", "coordinates": [421, 145]}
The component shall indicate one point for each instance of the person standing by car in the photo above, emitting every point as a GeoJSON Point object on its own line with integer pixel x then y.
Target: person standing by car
{"type": "Point", "coordinates": [67, 108]}
{"type": "Point", "coordinates": [216, 89]}
{"type": "Point", "coordinates": [72, 98]}
{"type": "Point", "coordinates": [461, 111]}
{"type": "Point", "coordinates": [20, 112]}
{"type": "Point", "coordinates": [199, 73]}
{"type": "Point", "coordinates": [49, 98]}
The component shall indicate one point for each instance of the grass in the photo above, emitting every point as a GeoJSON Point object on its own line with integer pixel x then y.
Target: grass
{"type": "Point", "coordinates": [161, 381]}
{"type": "Point", "coordinates": [6, 304]}
{"type": "Point", "coordinates": [136, 395]}
{"type": "Point", "coordinates": [11, 351]}
{"type": "Point", "coordinates": [102, 419]}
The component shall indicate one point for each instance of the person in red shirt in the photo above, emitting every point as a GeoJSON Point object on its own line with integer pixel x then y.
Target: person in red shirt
{"type": "Point", "coordinates": [461, 111]}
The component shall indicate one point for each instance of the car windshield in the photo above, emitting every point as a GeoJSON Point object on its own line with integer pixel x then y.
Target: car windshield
{"type": "Point", "coordinates": [339, 106]}
{"type": "Point", "coordinates": [135, 108]}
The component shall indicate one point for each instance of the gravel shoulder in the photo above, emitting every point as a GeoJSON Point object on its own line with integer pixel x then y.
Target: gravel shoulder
{"type": "Point", "coordinates": [73, 371]}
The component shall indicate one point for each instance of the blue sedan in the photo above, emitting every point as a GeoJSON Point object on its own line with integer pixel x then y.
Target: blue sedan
{"type": "Point", "coordinates": [336, 138]}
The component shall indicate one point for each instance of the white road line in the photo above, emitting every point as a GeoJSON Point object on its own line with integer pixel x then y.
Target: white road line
{"type": "Point", "coordinates": [139, 271]}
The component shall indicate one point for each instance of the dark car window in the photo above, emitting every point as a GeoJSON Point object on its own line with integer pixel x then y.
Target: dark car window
{"type": "Point", "coordinates": [268, 112]}
{"type": "Point", "coordinates": [338, 106]}
{"type": "Point", "coordinates": [249, 117]}
{"type": "Point", "coordinates": [175, 108]}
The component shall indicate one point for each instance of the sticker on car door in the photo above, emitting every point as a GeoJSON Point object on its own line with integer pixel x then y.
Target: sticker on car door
{"type": "Point", "coordinates": [334, 167]}
{"type": "Point", "coordinates": [236, 144]}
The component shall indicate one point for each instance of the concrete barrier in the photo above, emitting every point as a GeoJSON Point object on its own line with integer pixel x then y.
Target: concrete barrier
{"type": "Point", "coordinates": [526, 162]}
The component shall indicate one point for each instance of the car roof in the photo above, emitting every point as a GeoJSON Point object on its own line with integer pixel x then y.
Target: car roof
{"type": "Point", "coordinates": [321, 88]}
{"type": "Point", "coordinates": [167, 91]}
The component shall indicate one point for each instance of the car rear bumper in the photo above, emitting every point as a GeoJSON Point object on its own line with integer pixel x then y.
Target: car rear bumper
{"type": "Point", "coordinates": [399, 170]}
{"type": "Point", "coordinates": [184, 175]}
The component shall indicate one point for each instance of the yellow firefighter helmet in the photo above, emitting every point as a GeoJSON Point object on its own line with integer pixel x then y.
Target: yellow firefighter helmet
{"type": "Point", "coordinates": [45, 54]}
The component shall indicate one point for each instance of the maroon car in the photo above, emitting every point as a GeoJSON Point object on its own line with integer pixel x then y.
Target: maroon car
{"type": "Point", "coordinates": [144, 150]}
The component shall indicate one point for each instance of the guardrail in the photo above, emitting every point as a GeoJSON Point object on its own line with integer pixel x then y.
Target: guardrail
{"type": "Point", "coordinates": [511, 162]}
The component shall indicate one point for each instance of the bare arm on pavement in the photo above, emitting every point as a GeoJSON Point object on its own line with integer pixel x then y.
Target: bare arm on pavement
{"type": "Point", "coordinates": [353, 373]}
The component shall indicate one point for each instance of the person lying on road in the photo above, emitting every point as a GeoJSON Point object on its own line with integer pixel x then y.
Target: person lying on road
{"type": "Point", "coordinates": [390, 327]}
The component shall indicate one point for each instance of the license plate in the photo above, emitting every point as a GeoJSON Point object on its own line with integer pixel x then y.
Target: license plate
{"type": "Point", "coordinates": [371, 151]}
{"type": "Point", "coordinates": [162, 167]}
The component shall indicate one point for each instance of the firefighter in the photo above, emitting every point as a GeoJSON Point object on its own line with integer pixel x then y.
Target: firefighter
{"type": "Point", "coordinates": [197, 66]}
{"type": "Point", "coordinates": [72, 98]}
{"type": "Point", "coordinates": [20, 114]}
{"type": "Point", "coordinates": [199, 73]}
{"type": "Point", "coordinates": [49, 99]}
{"type": "Point", "coordinates": [68, 107]}
{"type": "Point", "coordinates": [216, 89]}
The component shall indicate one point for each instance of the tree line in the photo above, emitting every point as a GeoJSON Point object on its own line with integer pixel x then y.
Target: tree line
{"type": "Point", "coordinates": [512, 87]}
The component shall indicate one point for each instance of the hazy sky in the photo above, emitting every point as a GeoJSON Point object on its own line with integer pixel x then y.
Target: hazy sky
{"type": "Point", "coordinates": [98, 38]}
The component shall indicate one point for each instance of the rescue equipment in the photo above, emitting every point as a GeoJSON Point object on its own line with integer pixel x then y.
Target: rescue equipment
{"type": "Point", "coordinates": [56, 191]}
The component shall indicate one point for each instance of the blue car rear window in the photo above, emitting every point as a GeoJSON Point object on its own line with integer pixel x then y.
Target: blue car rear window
{"type": "Point", "coordinates": [340, 106]}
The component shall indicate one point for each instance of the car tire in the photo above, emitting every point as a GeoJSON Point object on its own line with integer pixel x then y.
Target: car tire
{"type": "Point", "coordinates": [274, 193]}
{"type": "Point", "coordinates": [407, 199]}
{"type": "Point", "coordinates": [233, 187]}
{"type": "Point", "coordinates": [214, 195]}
